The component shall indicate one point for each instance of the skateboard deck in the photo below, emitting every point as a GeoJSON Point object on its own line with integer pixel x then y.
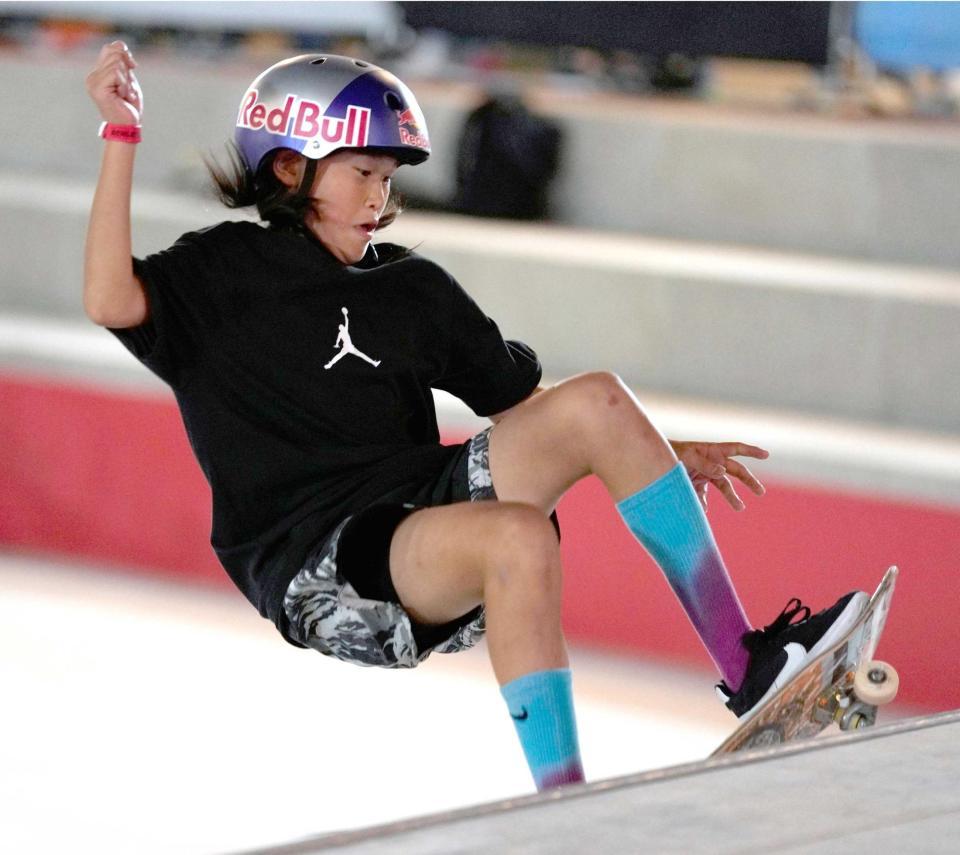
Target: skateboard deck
{"type": "Point", "coordinates": [841, 686]}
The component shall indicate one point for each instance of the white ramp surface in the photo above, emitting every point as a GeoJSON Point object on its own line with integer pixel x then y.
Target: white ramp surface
{"type": "Point", "coordinates": [141, 717]}
{"type": "Point", "coordinates": [890, 789]}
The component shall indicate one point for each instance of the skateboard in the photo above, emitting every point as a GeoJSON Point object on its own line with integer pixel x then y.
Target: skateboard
{"type": "Point", "coordinates": [843, 685]}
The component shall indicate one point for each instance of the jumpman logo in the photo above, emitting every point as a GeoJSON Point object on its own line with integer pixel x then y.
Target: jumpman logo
{"type": "Point", "coordinates": [347, 344]}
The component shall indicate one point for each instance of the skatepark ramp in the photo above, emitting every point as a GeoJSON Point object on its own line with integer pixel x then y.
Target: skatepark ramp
{"type": "Point", "coordinates": [892, 788]}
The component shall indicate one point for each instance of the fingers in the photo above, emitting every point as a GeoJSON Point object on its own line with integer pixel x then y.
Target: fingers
{"type": "Point", "coordinates": [702, 495]}
{"type": "Point", "coordinates": [741, 473]}
{"type": "Point", "coordinates": [113, 66]}
{"type": "Point", "coordinates": [114, 58]}
{"type": "Point", "coordinates": [119, 49]}
{"type": "Point", "coordinates": [714, 462]}
{"type": "Point", "coordinates": [113, 81]}
{"type": "Point", "coordinates": [724, 485]}
{"type": "Point", "coordinates": [128, 87]}
{"type": "Point", "coordinates": [136, 93]}
{"type": "Point", "coordinates": [740, 449]}
{"type": "Point", "coordinates": [698, 458]}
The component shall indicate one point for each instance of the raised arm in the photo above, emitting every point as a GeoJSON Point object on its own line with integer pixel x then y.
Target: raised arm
{"type": "Point", "coordinates": [112, 294]}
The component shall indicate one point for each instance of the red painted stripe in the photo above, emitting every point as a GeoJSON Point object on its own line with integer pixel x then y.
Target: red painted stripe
{"type": "Point", "coordinates": [109, 476]}
{"type": "Point", "coordinates": [105, 476]}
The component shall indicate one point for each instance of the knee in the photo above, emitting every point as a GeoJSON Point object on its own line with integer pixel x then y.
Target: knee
{"type": "Point", "coordinates": [523, 550]}
{"type": "Point", "coordinates": [597, 394]}
{"type": "Point", "coordinates": [600, 389]}
{"type": "Point", "coordinates": [599, 401]}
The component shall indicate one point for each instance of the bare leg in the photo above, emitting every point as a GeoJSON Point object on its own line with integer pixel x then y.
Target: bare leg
{"type": "Point", "coordinates": [589, 424]}
{"type": "Point", "coordinates": [445, 561]}
{"type": "Point", "coordinates": [505, 554]}
{"type": "Point", "coordinates": [593, 424]}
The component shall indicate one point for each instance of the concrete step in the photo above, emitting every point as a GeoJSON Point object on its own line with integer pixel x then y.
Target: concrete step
{"type": "Point", "coordinates": [828, 337]}
{"type": "Point", "coordinates": [867, 188]}
{"type": "Point", "coordinates": [853, 456]}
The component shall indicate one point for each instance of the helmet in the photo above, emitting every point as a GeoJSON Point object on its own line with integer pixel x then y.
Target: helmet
{"type": "Point", "coordinates": [316, 104]}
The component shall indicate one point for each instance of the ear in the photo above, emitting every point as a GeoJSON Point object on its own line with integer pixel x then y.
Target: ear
{"type": "Point", "coordinates": [288, 167]}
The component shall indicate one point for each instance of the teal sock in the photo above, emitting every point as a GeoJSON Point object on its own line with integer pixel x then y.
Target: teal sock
{"type": "Point", "coordinates": [668, 519]}
{"type": "Point", "coordinates": [541, 705]}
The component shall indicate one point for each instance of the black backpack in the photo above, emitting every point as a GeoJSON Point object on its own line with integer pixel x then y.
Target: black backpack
{"type": "Point", "coordinates": [506, 160]}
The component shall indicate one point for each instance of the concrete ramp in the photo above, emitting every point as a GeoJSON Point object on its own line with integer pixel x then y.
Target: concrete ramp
{"type": "Point", "coordinates": [895, 788]}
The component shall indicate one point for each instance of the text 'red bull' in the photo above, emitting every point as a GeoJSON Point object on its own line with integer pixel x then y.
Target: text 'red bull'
{"type": "Point", "coordinates": [303, 119]}
{"type": "Point", "coordinates": [410, 133]}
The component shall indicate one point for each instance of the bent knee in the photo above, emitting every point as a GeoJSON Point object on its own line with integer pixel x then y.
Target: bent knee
{"type": "Point", "coordinates": [522, 544]}
{"type": "Point", "coordinates": [518, 527]}
{"type": "Point", "coordinates": [595, 393]}
{"type": "Point", "coordinates": [598, 407]}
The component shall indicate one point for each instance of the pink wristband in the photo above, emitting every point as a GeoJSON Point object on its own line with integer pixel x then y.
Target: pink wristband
{"type": "Point", "coordinates": [121, 133]}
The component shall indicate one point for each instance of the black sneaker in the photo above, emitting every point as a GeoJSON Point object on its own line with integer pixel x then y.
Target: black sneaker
{"type": "Point", "coordinates": [783, 648]}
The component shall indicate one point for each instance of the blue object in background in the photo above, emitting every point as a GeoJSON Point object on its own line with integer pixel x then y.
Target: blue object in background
{"type": "Point", "coordinates": [904, 36]}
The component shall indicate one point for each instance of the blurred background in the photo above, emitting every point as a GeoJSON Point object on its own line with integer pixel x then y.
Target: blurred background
{"type": "Point", "coordinates": [748, 211]}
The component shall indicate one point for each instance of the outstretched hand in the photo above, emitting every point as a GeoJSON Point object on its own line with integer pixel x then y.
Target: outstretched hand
{"type": "Point", "coordinates": [712, 463]}
{"type": "Point", "coordinates": [113, 86]}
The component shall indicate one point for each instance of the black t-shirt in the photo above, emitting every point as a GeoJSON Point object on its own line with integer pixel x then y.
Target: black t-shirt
{"type": "Point", "coordinates": [304, 384]}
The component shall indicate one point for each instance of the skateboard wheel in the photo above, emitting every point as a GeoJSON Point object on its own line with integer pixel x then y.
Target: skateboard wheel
{"type": "Point", "coordinates": [876, 683]}
{"type": "Point", "coordinates": [858, 720]}
{"type": "Point", "coordinates": [858, 715]}
{"type": "Point", "coordinates": [766, 737]}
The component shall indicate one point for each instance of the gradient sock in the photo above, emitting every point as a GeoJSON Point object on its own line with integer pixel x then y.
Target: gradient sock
{"type": "Point", "coordinates": [541, 706]}
{"type": "Point", "coordinates": [668, 519]}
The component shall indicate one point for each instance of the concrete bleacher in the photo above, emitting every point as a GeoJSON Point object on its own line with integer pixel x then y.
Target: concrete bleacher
{"type": "Point", "coordinates": [873, 189]}
{"type": "Point", "coordinates": [793, 262]}
{"type": "Point", "coordinates": [829, 337]}
{"type": "Point", "coordinates": [699, 296]}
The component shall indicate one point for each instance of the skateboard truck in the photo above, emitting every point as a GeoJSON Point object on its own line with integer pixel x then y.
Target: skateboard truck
{"type": "Point", "coordinates": [853, 702]}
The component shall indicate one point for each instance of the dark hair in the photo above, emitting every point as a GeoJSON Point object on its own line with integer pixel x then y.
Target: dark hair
{"type": "Point", "coordinates": [237, 187]}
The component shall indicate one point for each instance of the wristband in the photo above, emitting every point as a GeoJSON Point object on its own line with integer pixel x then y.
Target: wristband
{"type": "Point", "coordinates": [120, 133]}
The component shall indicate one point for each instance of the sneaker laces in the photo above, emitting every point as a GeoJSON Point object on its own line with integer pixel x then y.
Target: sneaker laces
{"type": "Point", "coordinates": [758, 639]}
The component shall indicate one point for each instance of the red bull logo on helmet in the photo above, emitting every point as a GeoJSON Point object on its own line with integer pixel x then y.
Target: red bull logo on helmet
{"type": "Point", "coordinates": [410, 133]}
{"type": "Point", "coordinates": [303, 119]}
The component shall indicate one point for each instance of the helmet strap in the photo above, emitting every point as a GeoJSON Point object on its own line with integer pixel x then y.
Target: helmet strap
{"type": "Point", "coordinates": [309, 173]}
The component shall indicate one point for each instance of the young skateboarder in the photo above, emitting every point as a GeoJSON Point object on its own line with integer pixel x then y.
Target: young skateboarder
{"type": "Point", "coordinates": [336, 510]}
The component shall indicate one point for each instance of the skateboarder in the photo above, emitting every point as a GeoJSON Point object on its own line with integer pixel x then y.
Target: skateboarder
{"type": "Point", "coordinates": [336, 510]}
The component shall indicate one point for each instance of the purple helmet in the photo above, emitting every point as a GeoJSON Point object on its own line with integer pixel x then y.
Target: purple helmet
{"type": "Point", "coordinates": [316, 104]}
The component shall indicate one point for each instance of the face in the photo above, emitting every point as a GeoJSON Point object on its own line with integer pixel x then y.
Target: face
{"type": "Point", "coordinates": [351, 189]}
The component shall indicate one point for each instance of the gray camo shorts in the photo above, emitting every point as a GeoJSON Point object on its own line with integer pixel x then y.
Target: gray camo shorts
{"type": "Point", "coordinates": [327, 614]}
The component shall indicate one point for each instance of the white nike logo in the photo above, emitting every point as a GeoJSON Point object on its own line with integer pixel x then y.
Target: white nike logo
{"type": "Point", "coordinates": [796, 655]}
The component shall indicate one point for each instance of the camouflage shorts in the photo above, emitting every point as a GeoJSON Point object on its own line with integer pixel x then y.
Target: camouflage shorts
{"type": "Point", "coordinates": [327, 614]}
